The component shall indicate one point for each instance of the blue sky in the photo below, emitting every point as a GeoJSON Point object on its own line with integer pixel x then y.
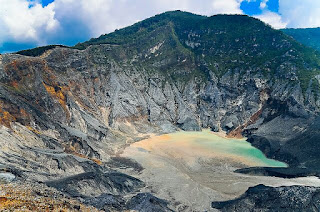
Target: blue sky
{"type": "Point", "coordinates": [29, 23]}
{"type": "Point", "coordinates": [46, 2]}
{"type": "Point", "coordinates": [253, 7]}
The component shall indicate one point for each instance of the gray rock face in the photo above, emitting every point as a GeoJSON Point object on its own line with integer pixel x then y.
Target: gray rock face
{"type": "Point", "coordinates": [94, 184]}
{"type": "Point", "coordinates": [282, 199]}
{"type": "Point", "coordinates": [106, 202]}
{"type": "Point", "coordinates": [146, 202]}
{"type": "Point", "coordinates": [6, 177]}
{"type": "Point", "coordinates": [293, 140]}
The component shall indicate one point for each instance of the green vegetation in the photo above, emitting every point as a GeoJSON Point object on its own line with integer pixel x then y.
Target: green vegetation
{"type": "Point", "coordinates": [141, 29]}
{"type": "Point", "coordinates": [219, 43]}
{"type": "Point", "coordinates": [309, 37]}
{"type": "Point", "coordinates": [193, 45]}
{"type": "Point", "coordinates": [35, 52]}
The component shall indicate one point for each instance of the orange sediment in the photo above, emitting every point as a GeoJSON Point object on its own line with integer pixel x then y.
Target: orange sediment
{"type": "Point", "coordinates": [33, 130]}
{"type": "Point", "coordinates": [22, 197]}
{"type": "Point", "coordinates": [72, 150]}
{"type": "Point", "coordinates": [237, 133]}
{"type": "Point", "coordinates": [6, 118]}
{"type": "Point", "coordinates": [58, 95]}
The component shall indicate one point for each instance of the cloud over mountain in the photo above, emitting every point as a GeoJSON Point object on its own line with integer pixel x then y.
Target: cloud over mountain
{"type": "Point", "coordinates": [300, 13]}
{"type": "Point", "coordinates": [29, 22]}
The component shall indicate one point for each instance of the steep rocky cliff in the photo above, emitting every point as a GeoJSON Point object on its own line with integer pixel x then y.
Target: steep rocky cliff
{"type": "Point", "coordinates": [67, 111]}
{"type": "Point", "coordinates": [263, 198]}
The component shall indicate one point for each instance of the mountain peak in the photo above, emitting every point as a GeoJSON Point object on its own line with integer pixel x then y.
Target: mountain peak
{"type": "Point", "coordinates": [232, 41]}
{"type": "Point", "coordinates": [183, 21]}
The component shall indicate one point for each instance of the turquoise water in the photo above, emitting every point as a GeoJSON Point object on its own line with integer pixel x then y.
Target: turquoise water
{"type": "Point", "coordinates": [233, 148]}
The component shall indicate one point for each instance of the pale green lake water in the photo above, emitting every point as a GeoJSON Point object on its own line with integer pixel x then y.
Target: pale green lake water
{"type": "Point", "coordinates": [238, 147]}
{"type": "Point", "coordinates": [207, 145]}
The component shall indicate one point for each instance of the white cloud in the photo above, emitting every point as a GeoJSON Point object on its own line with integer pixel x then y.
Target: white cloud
{"type": "Point", "coordinates": [273, 19]}
{"type": "Point", "coordinates": [24, 21]}
{"type": "Point", "coordinates": [103, 16]}
{"type": "Point", "coordinates": [28, 21]}
{"type": "Point", "coordinates": [226, 7]}
{"type": "Point", "coordinates": [97, 16]}
{"type": "Point", "coordinates": [263, 4]}
{"type": "Point", "coordinates": [269, 17]}
{"type": "Point", "coordinates": [300, 13]}
{"type": "Point", "coordinates": [69, 21]}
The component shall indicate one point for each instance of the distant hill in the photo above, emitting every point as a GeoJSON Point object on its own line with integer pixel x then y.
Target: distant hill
{"type": "Point", "coordinates": [309, 37]}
